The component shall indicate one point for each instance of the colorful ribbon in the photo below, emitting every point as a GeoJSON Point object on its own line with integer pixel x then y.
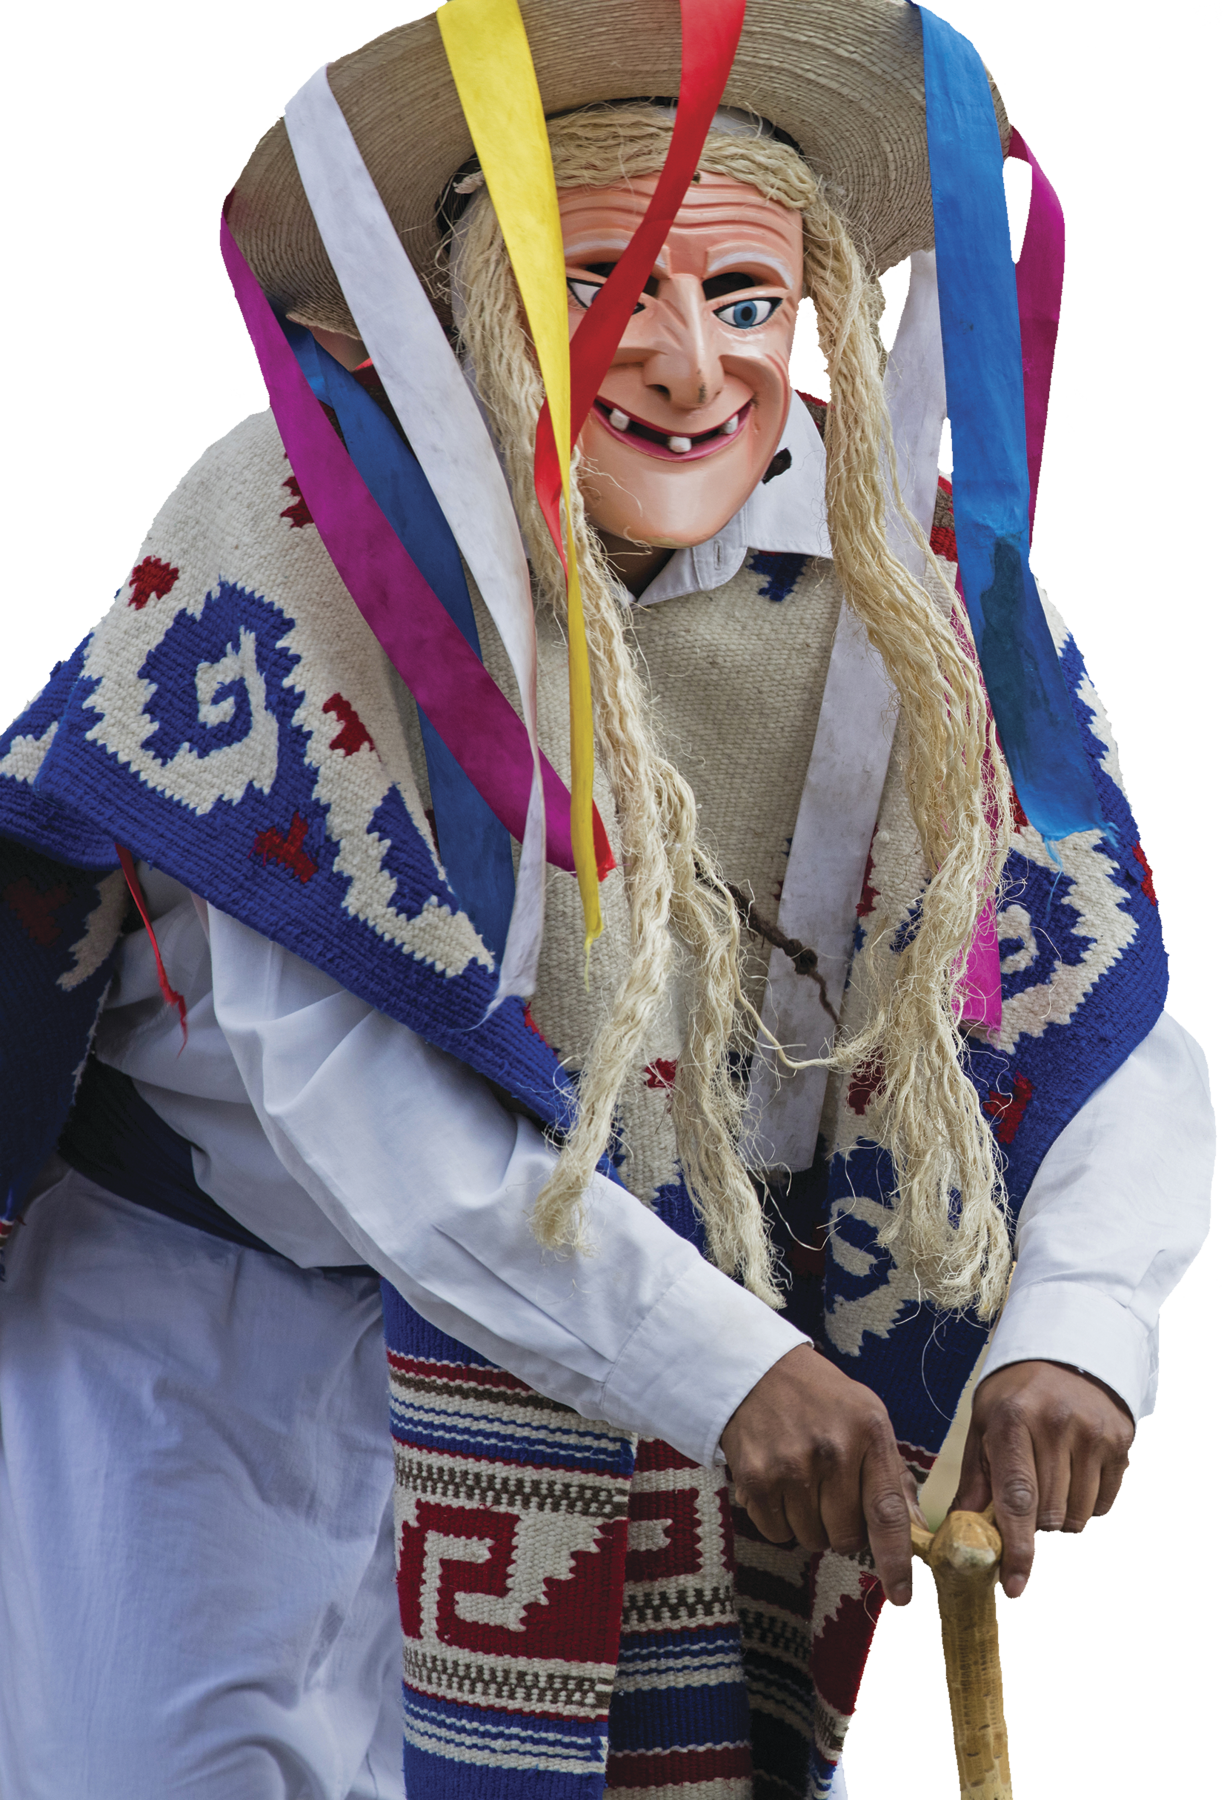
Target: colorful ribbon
{"type": "Point", "coordinates": [473, 843]}
{"type": "Point", "coordinates": [472, 715]}
{"type": "Point", "coordinates": [490, 59]}
{"type": "Point", "coordinates": [983, 367]}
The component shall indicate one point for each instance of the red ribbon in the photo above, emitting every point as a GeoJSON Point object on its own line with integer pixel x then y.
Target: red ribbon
{"type": "Point", "coordinates": [170, 995]}
{"type": "Point", "coordinates": [709, 37]}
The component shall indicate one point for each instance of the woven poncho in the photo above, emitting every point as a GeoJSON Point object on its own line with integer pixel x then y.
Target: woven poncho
{"type": "Point", "coordinates": [580, 1609]}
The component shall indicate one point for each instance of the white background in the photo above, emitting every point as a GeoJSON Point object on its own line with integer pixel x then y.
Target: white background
{"type": "Point", "coordinates": [124, 127]}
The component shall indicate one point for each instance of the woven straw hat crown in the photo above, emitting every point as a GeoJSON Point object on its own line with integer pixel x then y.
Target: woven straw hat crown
{"type": "Point", "coordinates": [843, 78]}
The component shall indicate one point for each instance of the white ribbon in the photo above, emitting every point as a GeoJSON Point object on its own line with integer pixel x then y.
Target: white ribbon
{"type": "Point", "coordinates": [443, 424]}
{"type": "Point", "coordinates": [845, 777]}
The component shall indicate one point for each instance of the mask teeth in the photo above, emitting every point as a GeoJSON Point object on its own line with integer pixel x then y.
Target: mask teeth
{"type": "Point", "coordinates": [679, 444]}
{"type": "Point", "coordinates": [617, 419]}
{"type": "Point", "coordinates": [732, 425]}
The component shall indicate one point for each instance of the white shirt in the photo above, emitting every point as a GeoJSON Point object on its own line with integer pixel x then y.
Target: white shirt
{"type": "Point", "coordinates": [327, 1129]}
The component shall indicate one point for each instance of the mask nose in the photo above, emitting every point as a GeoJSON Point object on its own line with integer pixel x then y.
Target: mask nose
{"type": "Point", "coordinates": [685, 365]}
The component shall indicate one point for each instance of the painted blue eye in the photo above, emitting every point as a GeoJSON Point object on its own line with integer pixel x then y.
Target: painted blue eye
{"type": "Point", "coordinates": [744, 314]}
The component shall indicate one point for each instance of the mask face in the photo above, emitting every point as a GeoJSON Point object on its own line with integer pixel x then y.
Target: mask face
{"type": "Point", "coordinates": [691, 411]}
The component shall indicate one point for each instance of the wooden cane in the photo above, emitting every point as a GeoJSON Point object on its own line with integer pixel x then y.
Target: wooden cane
{"type": "Point", "coordinates": [964, 1555]}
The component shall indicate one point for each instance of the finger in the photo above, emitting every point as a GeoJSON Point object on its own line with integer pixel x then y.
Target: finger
{"type": "Point", "coordinates": [1084, 1487]}
{"type": "Point", "coordinates": [803, 1511]}
{"type": "Point", "coordinates": [1112, 1470]}
{"type": "Point", "coordinates": [885, 1508]}
{"type": "Point", "coordinates": [764, 1507]}
{"type": "Point", "coordinates": [841, 1508]}
{"type": "Point", "coordinates": [1013, 1488]}
{"type": "Point", "coordinates": [973, 1489]}
{"type": "Point", "coordinates": [1055, 1467]}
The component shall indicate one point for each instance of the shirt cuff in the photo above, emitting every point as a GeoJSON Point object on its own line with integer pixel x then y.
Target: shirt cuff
{"type": "Point", "coordinates": [700, 1349]}
{"type": "Point", "coordinates": [1069, 1322]}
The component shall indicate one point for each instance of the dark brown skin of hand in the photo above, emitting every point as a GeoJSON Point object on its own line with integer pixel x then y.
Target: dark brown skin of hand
{"type": "Point", "coordinates": [1049, 1447]}
{"type": "Point", "coordinates": [812, 1456]}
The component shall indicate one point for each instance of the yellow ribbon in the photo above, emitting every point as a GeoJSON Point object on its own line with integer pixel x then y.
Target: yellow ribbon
{"type": "Point", "coordinates": [490, 60]}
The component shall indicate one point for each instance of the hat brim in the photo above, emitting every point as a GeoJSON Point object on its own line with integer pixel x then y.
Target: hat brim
{"type": "Point", "coordinates": [843, 78]}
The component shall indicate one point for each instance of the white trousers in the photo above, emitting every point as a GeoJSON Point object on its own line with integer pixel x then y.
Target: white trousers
{"type": "Point", "coordinates": [196, 1560]}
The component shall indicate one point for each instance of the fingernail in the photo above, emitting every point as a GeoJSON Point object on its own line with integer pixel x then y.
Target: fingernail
{"type": "Point", "coordinates": [1014, 1586]}
{"type": "Point", "coordinates": [903, 1594]}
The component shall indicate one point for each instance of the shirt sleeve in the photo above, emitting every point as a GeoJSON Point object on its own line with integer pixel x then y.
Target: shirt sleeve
{"type": "Point", "coordinates": [432, 1181]}
{"type": "Point", "coordinates": [1115, 1216]}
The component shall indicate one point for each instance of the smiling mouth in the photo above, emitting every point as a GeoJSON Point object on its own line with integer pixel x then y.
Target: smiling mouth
{"type": "Point", "coordinates": [674, 448]}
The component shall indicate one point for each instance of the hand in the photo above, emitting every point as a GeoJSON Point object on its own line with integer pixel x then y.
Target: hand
{"type": "Point", "coordinates": [1049, 1447]}
{"type": "Point", "coordinates": [812, 1456]}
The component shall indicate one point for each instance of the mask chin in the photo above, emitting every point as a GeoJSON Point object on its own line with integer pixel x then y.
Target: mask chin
{"type": "Point", "coordinates": [665, 508]}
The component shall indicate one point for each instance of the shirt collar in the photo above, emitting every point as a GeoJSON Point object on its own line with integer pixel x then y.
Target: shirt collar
{"type": "Point", "coordinates": [786, 512]}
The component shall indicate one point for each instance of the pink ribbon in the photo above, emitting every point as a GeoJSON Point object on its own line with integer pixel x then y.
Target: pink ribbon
{"type": "Point", "coordinates": [1039, 282]}
{"type": "Point", "coordinates": [453, 688]}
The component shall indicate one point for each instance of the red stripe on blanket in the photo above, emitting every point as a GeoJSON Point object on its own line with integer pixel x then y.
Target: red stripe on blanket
{"type": "Point", "coordinates": [675, 1768]}
{"type": "Point", "coordinates": [471, 1374]}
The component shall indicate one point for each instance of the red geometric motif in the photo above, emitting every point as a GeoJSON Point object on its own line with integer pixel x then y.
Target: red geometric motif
{"type": "Point", "coordinates": [1149, 885]}
{"type": "Point", "coordinates": [680, 1552]}
{"type": "Point", "coordinates": [150, 579]}
{"type": "Point", "coordinates": [570, 1613]}
{"type": "Point", "coordinates": [653, 1455]}
{"type": "Point", "coordinates": [840, 1651]}
{"type": "Point", "coordinates": [274, 846]}
{"type": "Point", "coordinates": [36, 910]}
{"type": "Point", "coordinates": [299, 513]}
{"type": "Point", "coordinates": [352, 735]}
{"type": "Point", "coordinates": [661, 1074]}
{"type": "Point", "coordinates": [863, 1086]}
{"type": "Point", "coordinates": [1007, 1110]}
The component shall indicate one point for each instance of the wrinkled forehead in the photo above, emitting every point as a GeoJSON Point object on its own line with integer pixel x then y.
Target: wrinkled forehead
{"type": "Point", "coordinates": [721, 223]}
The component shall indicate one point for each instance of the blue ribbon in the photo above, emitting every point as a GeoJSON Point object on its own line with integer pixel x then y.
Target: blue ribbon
{"type": "Point", "coordinates": [472, 842]}
{"type": "Point", "coordinates": [980, 323]}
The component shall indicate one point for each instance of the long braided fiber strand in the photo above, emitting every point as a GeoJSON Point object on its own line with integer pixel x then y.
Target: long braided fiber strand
{"type": "Point", "coordinates": [927, 1114]}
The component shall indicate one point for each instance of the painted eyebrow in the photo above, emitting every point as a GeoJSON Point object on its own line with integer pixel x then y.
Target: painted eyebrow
{"type": "Point", "coordinates": [584, 246]}
{"type": "Point", "coordinates": [735, 259]}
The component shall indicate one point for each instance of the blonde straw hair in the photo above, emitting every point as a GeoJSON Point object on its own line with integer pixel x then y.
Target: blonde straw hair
{"type": "Point", "coordinates": [682, 919]}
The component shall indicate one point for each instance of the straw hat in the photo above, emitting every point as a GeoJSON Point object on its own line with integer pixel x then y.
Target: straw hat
{"type": "Point", "coordinates": [843, 78]}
